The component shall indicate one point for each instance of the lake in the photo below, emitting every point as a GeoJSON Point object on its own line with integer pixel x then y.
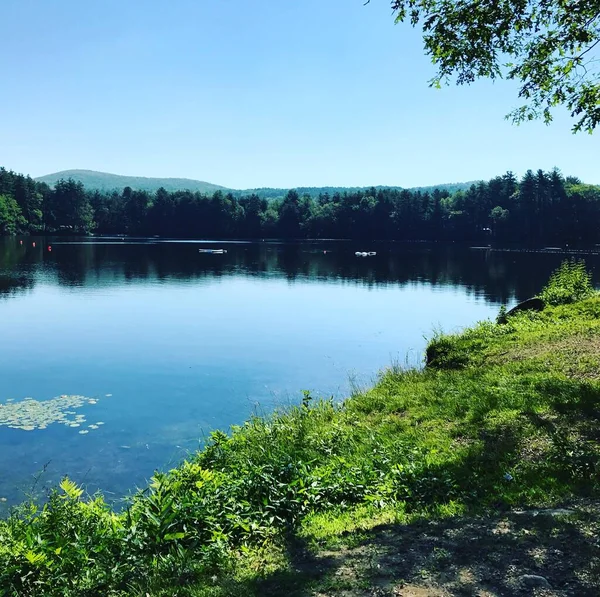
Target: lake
{"type": "Point", "coordinates": [153, 344]}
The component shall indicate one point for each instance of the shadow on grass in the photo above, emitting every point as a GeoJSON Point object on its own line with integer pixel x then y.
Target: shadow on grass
{"type": "Point", "coordinates": [545, 552]}
{"type": "Point", "coordinates": [474, 556]}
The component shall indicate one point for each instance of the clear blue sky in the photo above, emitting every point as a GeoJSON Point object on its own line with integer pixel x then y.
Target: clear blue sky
{"type": "Point", "coordinates": [249, 94]}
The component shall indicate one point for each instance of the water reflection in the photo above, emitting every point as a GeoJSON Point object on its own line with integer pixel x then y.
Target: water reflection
{"type": "Point", "coordinates": [498, 276]}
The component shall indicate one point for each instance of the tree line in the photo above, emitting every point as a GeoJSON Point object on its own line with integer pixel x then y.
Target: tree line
{"type": "Point", "coordinates": [541, 208]}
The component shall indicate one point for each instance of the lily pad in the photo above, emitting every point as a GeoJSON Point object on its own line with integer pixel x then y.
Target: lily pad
{"type": "Point", "coordinates": [29, 414]}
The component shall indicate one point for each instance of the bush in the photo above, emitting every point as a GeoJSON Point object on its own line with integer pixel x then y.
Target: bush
{"type": "Point", "coordinates": [570, 283]}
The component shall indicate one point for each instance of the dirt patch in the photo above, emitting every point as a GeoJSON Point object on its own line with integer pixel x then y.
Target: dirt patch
{"type": "Point", "coordinates": [543, 552]}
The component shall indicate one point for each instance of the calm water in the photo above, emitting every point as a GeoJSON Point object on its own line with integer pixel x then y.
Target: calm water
{"type": "Point", "coordinates": [186, 342]}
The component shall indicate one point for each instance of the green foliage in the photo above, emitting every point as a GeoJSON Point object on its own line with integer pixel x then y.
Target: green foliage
{"type": "Point", "coordinates": [11, 218]}
{"type": "Point", "coordinates": [442, 354]}
{"type": "Point", "coordinates": [501, 317]}
{"type": "Point", "coordinates": [68, 207]}
{"type": "Point", "coordinates": [543, 208]}
{"type": "Point", "coordinates": [570, 283]}
{"type": "Point", "coordinates": [548, 46]}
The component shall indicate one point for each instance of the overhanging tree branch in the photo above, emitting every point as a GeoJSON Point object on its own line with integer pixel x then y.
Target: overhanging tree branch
{"type": "Point", "coordinates": [540, 43]}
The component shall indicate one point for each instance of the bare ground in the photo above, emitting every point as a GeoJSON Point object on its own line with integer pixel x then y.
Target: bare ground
{"type": "Point", "coordinates": [546, 553]}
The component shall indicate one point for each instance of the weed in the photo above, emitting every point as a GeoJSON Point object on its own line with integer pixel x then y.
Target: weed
{"type": "Point", "coordinates": [570, 283]}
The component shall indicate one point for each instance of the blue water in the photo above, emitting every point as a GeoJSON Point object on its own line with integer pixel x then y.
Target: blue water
{"type": "Point", "coordinates": [185, 343]}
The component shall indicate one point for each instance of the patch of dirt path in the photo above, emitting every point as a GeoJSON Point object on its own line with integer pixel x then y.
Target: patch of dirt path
{"type": "Point", "coordinates": [553, 553]}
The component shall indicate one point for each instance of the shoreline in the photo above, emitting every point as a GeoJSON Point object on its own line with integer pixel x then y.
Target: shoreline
{"type": "Point", "coordinates": [500, 421]}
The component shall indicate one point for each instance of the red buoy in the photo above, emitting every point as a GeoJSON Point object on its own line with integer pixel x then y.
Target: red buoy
{"type": "Point", "coordinates": [33, 244]}
{"type": "Point", "coordinates": [49, 248]}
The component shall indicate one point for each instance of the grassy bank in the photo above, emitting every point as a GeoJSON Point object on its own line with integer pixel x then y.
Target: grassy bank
{"type": "Point", "coordinates": [504, 417]}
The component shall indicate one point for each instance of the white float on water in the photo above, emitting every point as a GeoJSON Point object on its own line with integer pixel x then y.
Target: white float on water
{"type": "Point", "coordinates": [365, 254]}
{"type": "Point", "coordinates": [213, 251]}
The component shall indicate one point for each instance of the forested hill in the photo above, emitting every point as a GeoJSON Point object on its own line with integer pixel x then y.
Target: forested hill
{"type": "Point", "coordinates": [270, 193]}
{"type": "Point", "coordinates": [540, 209]}
{"type": "Point", "coordinates": [104, 181]}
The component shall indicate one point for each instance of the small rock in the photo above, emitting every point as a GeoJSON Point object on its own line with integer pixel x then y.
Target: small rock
{"type": "Point", "coordinates": [556, 512]}
{"type": "Point", "coordinates": [546, 512]}
{"type": "Point", "coordinates": [532, 581]}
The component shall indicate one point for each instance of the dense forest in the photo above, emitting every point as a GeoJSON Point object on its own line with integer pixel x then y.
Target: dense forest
{"type": "Point", "coordinates": [542, 208]}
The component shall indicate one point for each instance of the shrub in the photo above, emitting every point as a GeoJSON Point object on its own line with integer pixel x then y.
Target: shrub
{"type": "Point", "coordinates": [570, 283]}
{"type": "Point", "coordinates": [444, 352]}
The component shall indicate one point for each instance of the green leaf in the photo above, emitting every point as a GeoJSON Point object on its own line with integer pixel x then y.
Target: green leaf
{"type": "Point", "coordinates": [71, 490]}
{"type": "Point", "coordinates": [174, 536]}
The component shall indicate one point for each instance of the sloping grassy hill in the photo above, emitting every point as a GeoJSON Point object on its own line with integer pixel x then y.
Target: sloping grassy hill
{"type": "Point", "coordinates": [503, 420]}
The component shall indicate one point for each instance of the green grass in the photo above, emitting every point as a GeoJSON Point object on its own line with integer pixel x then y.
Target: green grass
{"type": "Point", "coordinates": [503, 416]}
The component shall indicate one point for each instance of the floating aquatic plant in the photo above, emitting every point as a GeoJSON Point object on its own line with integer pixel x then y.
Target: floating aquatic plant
{"type": "Point", "coordinates": [29, 414]}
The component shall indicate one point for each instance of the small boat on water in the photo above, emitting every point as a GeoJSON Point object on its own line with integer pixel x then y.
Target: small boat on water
{"type": "Point", "coordinates": [365, 253]}
{"type": "Point", "coordinates": [213, 251]}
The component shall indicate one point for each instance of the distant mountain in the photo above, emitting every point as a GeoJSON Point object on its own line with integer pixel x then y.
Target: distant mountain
{"type": "Point", "coordinates": [269, 193]}
{"type": "Point", "coordinates": [451, 187]}
{"type": "Point", "coordinates": [104, 181]}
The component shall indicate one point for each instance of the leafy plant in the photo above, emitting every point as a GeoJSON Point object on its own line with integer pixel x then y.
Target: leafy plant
{"type": "Point", "coordinates": [570, 283]}
{"type": "Point", "coordinates": [501, 317]}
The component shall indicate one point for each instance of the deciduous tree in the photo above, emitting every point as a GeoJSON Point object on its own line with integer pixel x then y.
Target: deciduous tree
{"type": "Point", "coordinates": [549, 46]}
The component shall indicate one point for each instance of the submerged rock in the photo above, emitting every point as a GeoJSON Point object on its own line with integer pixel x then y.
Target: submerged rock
{"type": "Point", "coordinates": [533, 581]}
